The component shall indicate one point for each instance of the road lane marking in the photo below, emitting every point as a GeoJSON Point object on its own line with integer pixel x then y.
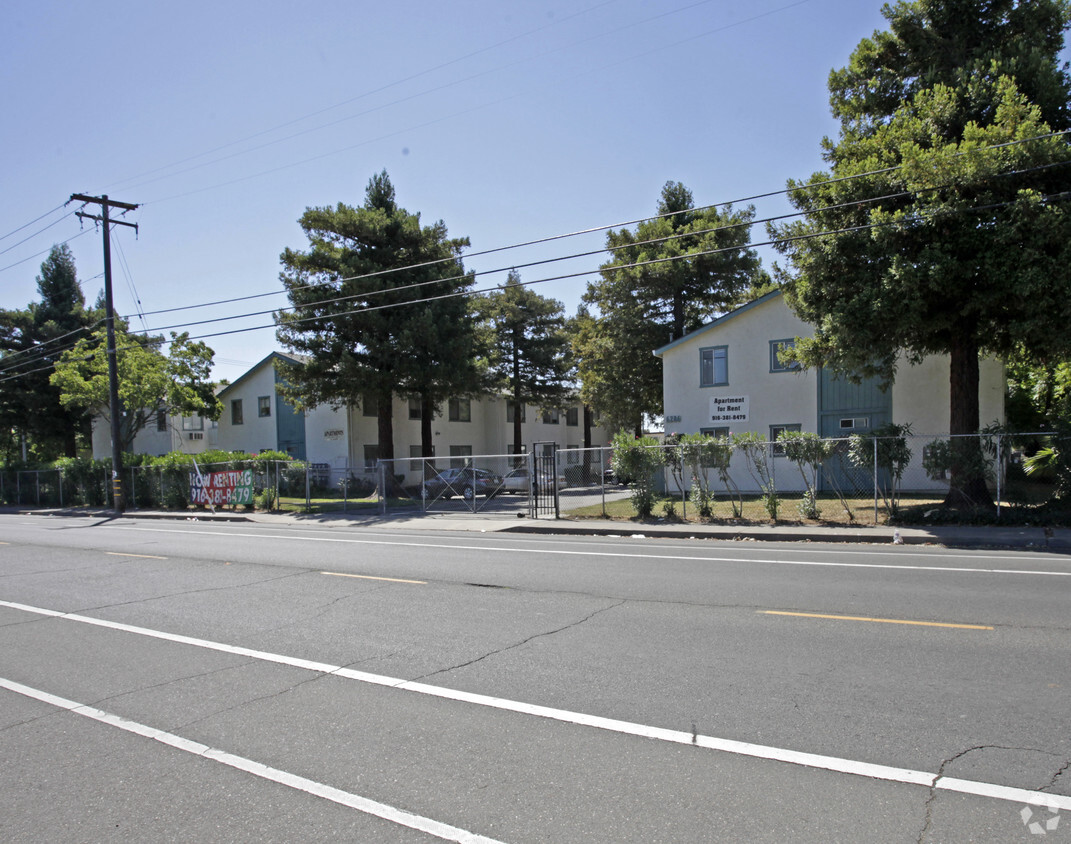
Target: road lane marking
{"type": "Point", "coordinates": [317, 789]}
{"type": "Point", "coordinates": [878, 620]}
{"type": "Point", "coordinates": [139, 556]}
{"type": "Point", "coordinates": [738, 748]}
{"type": "Point", "coordinates": [370, 577]}
{"type": "Point", "coordinates": [616, 554]}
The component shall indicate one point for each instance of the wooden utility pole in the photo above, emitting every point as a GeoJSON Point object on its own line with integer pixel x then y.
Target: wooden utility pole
{"type": "Point", "coordinates": [114, 407]}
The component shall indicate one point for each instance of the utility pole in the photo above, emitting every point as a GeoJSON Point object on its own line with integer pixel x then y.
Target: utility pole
{"type": "Point", "coordinates": [109, 321]}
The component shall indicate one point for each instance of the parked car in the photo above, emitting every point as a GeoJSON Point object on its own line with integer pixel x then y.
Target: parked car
{"type": "Point", "coordinates": [467, 482]}
{"type": "Point", "coordinates": [518, 481]}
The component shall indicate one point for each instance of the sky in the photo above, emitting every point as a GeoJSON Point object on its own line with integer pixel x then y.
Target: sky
{"type": "Point", "coordinates": [511, 121]}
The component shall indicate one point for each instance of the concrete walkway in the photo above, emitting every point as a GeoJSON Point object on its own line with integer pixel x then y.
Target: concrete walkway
{"type": "Point", "coordinates": [986, 536]}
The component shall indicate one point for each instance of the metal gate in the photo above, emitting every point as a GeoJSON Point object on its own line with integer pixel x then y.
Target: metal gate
{"type": "Point", "coordinates": [545, 479]}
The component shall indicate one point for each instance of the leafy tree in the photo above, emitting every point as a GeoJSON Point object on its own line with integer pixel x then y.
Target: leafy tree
{"type": "Point", "coordinates": [149, 381]}
{"type": "Point", "coordinates": [665, 279]}
{"type": "Point", "coordinates": [531, 359]}
{"type": "Point", "coordinates": [34, 338]}
{"type": "Point", "coordinates": [938, 228]}
{"type": "Point", "coordinates": [365, 313]}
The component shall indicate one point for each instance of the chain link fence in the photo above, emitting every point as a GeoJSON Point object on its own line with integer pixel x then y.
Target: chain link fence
{"type": "Point", "coordinates": [863, 479]}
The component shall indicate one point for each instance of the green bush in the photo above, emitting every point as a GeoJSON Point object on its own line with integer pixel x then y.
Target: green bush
{"type": "Point", "coordinates": [637, 459]}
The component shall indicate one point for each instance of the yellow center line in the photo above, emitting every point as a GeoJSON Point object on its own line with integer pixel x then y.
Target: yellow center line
{"type": "Point", "coordinates": [139, 556]}
{"type": "Point", "coordinates": [370, 577]}
{"type": "Point", "coordinates": [879, 620]}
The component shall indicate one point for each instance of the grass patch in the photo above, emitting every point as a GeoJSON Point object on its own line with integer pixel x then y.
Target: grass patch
{"type": "Point", "coordinates": [337, 505]}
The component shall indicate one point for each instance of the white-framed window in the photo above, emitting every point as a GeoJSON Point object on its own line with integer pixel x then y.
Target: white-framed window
{"type": "Point", "coordinates": [414, 408]}
{"type": "Point", "coordinates": [511, 411]}
{"type": "Point", "coordinates": [776, 364]}
{"type": "Point", "coordinates": [371, 455]}
{"type": "Point", "coordinates": [417, 459]}
{"type": "Point", "coordinates": [572, 416]}
{"type": "Point", "coordinates": [551, 417]}
{"type": "Point", "coordinates": [714, 366]}
{"type": "Point", "coordinates": [775, 432]}
{"type": "Point", "coordinates": [458, 453]}
{"type": "Point", "coordinates": [721, 431]}
{"type": "Point", "coordinates": [193, 423]}
{"type": "Point", "coordinates": [264, 406]}
{"type": "Point", "coordinates": [460, 410]}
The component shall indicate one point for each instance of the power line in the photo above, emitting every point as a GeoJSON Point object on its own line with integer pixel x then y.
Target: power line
{"type": "Point", "coordinates": [601, 228]}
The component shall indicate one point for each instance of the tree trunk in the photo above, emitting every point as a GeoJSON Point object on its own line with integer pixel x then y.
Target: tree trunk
{"type": "Point", "coordinates": [517, 406]}
{"type": "Point", "coordinates": [427, 414]}
{"type": "Point", "coordinates": [967, 487]}
{"type": "Point", "coordinates": [385, 419]}
{"type": "Point", "coordinates": [588, 420]}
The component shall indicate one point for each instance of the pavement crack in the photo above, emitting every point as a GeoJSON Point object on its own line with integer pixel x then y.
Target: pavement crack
{"type": "Point", "coordinates": [521, 643]}
{"type": "Point", "coordinates": [1056, 776]}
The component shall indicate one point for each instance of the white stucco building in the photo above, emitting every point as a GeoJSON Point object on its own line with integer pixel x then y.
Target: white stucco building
{"type": "Point", "coordinates": [726, 378]}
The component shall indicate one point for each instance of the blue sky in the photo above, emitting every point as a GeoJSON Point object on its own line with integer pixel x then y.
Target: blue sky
{"type": "Point", "coordinates": [509, 121]}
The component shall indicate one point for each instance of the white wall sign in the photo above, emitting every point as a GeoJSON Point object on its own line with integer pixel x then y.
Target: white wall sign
{"type": "Point", "coordinates": [728, 409]}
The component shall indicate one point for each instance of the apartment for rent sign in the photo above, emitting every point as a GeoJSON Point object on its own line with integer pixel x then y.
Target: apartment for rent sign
{"type": "Point", "coordinates": [726, 410]}
{"type": "Point", "coordinates": [222, 487]}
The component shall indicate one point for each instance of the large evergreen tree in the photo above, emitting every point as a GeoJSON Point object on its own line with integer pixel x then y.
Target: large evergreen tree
{"type": "Point", "coordinates": [941, 226]}
{"type": "Point", "coordinates": [675, 272]}
{"type": "Point", "coordinates": [33, 340]}
{"type": "Point", "coordinates": [530, 357]}
{"type": "Point", "coordinates": [378, 311]}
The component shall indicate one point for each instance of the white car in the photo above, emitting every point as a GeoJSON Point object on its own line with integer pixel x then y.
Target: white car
{"type": "Point", "coordinates": [518, 481]}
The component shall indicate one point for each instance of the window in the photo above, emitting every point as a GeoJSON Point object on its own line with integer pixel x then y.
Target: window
{"type": "Point", "coordinates": [161, 420]}
{"type": "Point", "coordinates": [193, 423]}
{"type": "Point", "coordinates": [371, 455]}
{"type": "Point", "coordinates": [776, 364]}
{"type": "Point", "coordinates": [417, 459]}
{"type": "Point", "coordinates": [512, 450]}
{"type": "Point", "coordinates": [414, 408]}
{"type": "Point", "coordinates": [572, 454]}
{"type": "Point", "coordinates": [714, 366]}
{"type": "Point", "coordinates": [511, 411]}
{"type": "Point", "coordinates": [460, 410]}
{"type": "Point", "coordinates": [264, 406]}
{"type": "Point", "coordinates": [551, 417]}
{"type": "Point", "coordinates": [459, 451]}
{"type": "Point", "coordinates": [715, 432]}
{"type": "Point", "coordinates": [572, 416]}
{"type": "Point", "coordinates": [236, 412]}
{"type": "Point", "coordinates": [775, 432]}
{"type": "Point", "coordinates": [369, 406]}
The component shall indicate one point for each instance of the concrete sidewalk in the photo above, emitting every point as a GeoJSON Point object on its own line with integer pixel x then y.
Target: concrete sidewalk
{"type": "Point", "coordinates": [983, 536]}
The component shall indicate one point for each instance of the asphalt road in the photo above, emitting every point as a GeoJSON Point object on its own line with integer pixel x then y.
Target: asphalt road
{"type": "Point", "coordinates": [184, 681]}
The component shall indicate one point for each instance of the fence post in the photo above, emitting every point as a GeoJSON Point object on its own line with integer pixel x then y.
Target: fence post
{"type": "Point", "coordinates": [875, 481]}
{"type": "Point", "coordinates": [602, 478]}
{"type": "Point", "coordinates": [1000, 470]}
{"type": "Point", "coordinates": [59, 481]}
{"type": "Point", "coordinates": [37, 481]}
{"type": "Point", "coordinates": [308, 487]}
{"type": "Point", "coordinates": [381, 484]}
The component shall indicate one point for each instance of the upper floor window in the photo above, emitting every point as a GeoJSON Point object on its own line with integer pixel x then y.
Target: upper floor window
{"type": "Point", "coordinates": [572, 416]}
{"type": "Point", "coordinates": [551, 417]}
{"type": "Point", "coordinates": [161, 420]}
{"type": "Point", "coordinates": [236, 412]}
{"type": "Point", "coordinates": [264, 406]}
{"type": "Point", "coordinates": [776, 364]}
{"type": "Point", "coordinates": [511, 411]}
{"type": "Point", "coordinates": [370, 407]}
{"type": "Point", "coordinates": [414, 408]}
{"type": "Point", "coordinates": [460, 410]}
{"type": "Point", "coordinates": [714, 366]}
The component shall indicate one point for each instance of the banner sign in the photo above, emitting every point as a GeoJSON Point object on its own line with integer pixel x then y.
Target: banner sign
{"type": "Point", "coordinates": [222, 487]}
{"type": "Point", "coordinates": [731, 409]}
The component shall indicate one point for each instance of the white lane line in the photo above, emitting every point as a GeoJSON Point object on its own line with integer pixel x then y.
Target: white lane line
{"type": "Point", "coordinates": [739, 748]}
{"type": "Point", "coordinates": [316, 789]}
{"type": "Point", "coordinates": [617, 554]}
